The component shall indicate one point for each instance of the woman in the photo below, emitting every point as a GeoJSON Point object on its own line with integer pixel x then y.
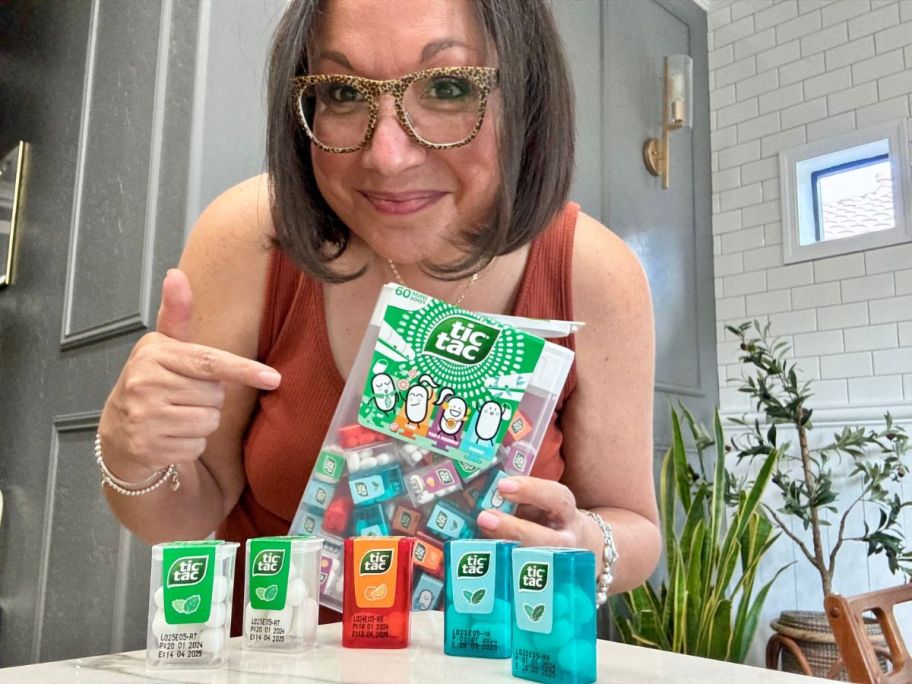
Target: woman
{"type": "Point", "coordinates": [455, 185]}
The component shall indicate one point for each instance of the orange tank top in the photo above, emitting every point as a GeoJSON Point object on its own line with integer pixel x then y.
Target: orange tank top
{"type": "Point", "coordinates": [288, 425]}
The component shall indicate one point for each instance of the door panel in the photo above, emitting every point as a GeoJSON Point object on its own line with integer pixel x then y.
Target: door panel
{"type": "Point", "coordinates": [619, 104]}
{"type": "Point", "coordinates": [616, 51]}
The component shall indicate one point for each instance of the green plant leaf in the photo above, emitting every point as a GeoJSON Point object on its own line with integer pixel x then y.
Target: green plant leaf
{"type": "Point", "coordinates": [467, 595]}
{"type": "Point", "coordinates": [191, 604]}
{"type": "Point", "coordinates": [261, 593]}
{"type": "Point", "coordinates": [667, 501]}
{"type": "Point", "coordinates": [678, 601]}
{"type": "Point", "coordinates": [178, 605]}
{"type": "Point", "coordinates": [681, 469]}
{"type": "Point", "coordinates": [747, 626]}
{"type": "Point", "coordinates": [478, 596]}
{"type": "Point", "coordinates": [721, 632]}
{"type": "Point", "coordinates": [649, 632]}
{"type": "Point", "coordinates": [537, 612]}
{"type": "Point", "coordinates": [704, 605]}
{"type": "Point", "coordinates": [272, 591]}
{"type": "Point", "coordinates": [529, 609]}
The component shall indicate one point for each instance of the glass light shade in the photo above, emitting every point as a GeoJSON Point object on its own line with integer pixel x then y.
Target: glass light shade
{"type": "Point", "coordinates": [680, 90]}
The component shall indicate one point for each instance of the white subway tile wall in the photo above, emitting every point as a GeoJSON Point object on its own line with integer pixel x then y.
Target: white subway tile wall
{"type": "Point", "coordinates": [785, 73]}
{"type": "Point", "coordinates": [782, 74]}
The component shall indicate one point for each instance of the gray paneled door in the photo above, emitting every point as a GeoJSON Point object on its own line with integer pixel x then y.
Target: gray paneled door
{"type": "Point", "coordinates": [134, 115]}
{"type": "Point", "coordinates": [616, 50]}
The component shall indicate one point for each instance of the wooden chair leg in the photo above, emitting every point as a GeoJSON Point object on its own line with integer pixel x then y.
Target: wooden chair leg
{"type": "Point", "coordinates": [774, 648]}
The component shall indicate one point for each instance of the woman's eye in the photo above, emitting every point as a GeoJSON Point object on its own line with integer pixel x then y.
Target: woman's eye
{"type": "Point", "coordinates": [340, 93]}
{"type": "Point", "coordinates": [448, 88]}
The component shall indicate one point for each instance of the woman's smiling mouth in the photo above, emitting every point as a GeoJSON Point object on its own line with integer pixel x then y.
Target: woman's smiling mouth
{"type": "Point", "coordinates": [402, 203]}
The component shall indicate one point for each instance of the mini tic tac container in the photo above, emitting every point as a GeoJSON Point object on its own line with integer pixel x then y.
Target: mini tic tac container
{"type": "Point", "coordinates": [478, 620]}
{"type": "Point", "coordinates": [190, 591]}
{"type": "Point", "coordinates": [554, 615]}
{"type": "Point", "coordinates": [378, 592]}
{"type": "Point", "coordinates": [281, 590]}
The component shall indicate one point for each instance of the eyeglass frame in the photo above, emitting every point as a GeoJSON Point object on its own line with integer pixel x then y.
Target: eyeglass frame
{"type": "Point", "coordinates": [484, 78]}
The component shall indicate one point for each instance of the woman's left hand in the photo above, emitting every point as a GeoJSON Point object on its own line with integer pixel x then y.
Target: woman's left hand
{"type": "Point", "coordinates": [548, 515]}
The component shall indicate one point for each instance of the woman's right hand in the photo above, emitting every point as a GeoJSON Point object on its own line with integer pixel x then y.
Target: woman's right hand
{"type": "Point", "coordinates": [168, 399]}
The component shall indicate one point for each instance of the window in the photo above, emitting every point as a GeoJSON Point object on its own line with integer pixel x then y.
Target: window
{"type": "Point", "coordinates": [846, 194]}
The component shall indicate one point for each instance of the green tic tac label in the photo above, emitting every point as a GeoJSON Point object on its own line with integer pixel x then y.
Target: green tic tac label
{"type": "Point", "coordinates": [268, 565]}
{"type": "Point", "coordinates": [376, 562]}
{"type": "Point", "coordinates": [461, 340]}
{"type": "Point", "coordinates": [473, 573]}
{"type": "Point", "coordinates": [533, 589]}
{"type": "Point", "coordinates": [188, 571]}
{"type": "Point", "coordinates": [446, 379]}
{"type": "Point", "coordinates": [329, 466]}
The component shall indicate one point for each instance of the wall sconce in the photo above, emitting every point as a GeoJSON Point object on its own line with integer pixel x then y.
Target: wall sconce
{"type": "Point", "coordinates": [677, 112]}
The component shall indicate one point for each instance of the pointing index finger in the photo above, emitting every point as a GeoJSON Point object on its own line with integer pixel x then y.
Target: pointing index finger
{"type": "Point", "coordinates": [208, 363]}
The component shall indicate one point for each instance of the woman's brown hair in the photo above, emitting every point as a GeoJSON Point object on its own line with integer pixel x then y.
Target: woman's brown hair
{"type": "Point", "coordinates": [535, 140]}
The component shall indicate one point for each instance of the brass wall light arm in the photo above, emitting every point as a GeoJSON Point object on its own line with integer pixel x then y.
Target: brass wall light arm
{"type": "Point", "coordinates": [675, 114]}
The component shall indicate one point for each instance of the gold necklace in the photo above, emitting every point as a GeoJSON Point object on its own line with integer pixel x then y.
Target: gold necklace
{"type": "Point", "coordinates": [462, 295]}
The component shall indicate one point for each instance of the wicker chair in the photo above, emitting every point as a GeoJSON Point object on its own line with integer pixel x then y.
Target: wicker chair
{"type": "Point", "coordinates": [860, 656]}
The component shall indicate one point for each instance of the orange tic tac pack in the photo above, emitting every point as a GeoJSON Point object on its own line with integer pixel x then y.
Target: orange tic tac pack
{"type": "Point", "coordinates": [378, 592]}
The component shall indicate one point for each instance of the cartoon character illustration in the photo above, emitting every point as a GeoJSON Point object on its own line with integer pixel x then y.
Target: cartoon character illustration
{"type": "Point", "coordinates": [423, 600]}
{"type": "Point", "coordinates": [454, 413]}
{"type": "Point", "coordinates": [489, 417]}
{"type": "Point", "coordinates": [418, 400]}
{"type": "Point", "coordinates": [384, 392]}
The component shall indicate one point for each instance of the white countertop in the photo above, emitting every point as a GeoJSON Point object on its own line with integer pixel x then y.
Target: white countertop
{"type": "Point", "coordinates": [422, 663]}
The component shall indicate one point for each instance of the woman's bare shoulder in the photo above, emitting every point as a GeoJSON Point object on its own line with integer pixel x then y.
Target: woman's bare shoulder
{"type": "Point", "coordinates": [608, 278]}
{"type": "Point", "coordinates": [226, 258]}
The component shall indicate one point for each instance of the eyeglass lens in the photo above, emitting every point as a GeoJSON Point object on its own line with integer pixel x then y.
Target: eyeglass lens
{"type": "Point", "coordinates": [441, 109]}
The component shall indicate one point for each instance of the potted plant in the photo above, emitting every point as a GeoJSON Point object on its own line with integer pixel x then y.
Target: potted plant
{"type": "Point", "coordinates": [705, 605]}
{"type": "Point", "coordinates": [803, 475]}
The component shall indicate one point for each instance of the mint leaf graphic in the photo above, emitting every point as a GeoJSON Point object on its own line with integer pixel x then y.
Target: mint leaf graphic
{"type": "Point", "coordinates": [529, 610]}
{"type": "Point", "coordinates": [261, 593]}
{"type": "Point", "coordinates": [537, 612]}
{"type": "Point", "coordinates": [178, 605]}
{"type": "Point", "coordinates": [477, 596]}
{"type": "Point", "coordinates": [271, 591]}
{"type": "Point", "coordinates": [191, 604]}
{"type": "Point", "coordinates": [467, 594]}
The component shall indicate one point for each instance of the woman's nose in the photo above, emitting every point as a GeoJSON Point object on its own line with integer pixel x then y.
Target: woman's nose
{"type": "Point", "coordinates": [391, 150]}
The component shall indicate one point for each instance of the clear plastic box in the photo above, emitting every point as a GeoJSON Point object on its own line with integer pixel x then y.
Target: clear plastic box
{"type": "Point", "coordinates": [554, 615]}
{"type": "Point", "coordinates": [281, 590]}
{"type": "Point", "coordinates": [190, 590]}
{"type": "Point", "coordinates": [440, 404]}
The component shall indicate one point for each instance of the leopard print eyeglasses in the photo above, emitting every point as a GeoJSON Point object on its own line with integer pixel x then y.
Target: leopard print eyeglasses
{"type": "Point", "coordinates": [439, 108]}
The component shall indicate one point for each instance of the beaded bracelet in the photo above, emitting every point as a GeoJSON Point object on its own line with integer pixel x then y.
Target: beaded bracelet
{"type": "Point", "coordinates": [609, 558]}
{"type": "Point", "coordinates": [146, 486]}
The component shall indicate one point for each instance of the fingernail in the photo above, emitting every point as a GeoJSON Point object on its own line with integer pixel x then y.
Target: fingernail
{"type": "Point", "coordinates": [508, 485]}
{"type": "Point", "coordinates": [268, 379]}
{"type": "Point", "coordinates": [488, 520]}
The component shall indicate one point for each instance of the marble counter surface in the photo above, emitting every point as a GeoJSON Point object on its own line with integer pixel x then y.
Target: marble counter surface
{"type": "Point", "coordinates": [422, 663]}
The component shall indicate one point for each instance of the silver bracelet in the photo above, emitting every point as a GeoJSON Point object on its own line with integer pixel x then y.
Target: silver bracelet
{"type": "Point", "coordinates": [609, 558]}
{"type": "Point", "coordinates": [126, 488]}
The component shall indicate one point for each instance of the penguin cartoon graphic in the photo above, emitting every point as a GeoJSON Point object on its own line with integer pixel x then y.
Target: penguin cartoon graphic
{"type": "Point", "coordinates": [423, 601]}
{"type": "Point", "coordinates": [384, 392]}
{"type": "Point", "coordinates": [418, 400]}
{"type": "Point", "coordinates": [488, 422]}
{"type": "Point", "coordinates": [454, 412]}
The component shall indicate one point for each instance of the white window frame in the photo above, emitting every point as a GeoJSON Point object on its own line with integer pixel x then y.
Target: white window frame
{"type": "Point", "coordinates": [797, 209]}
